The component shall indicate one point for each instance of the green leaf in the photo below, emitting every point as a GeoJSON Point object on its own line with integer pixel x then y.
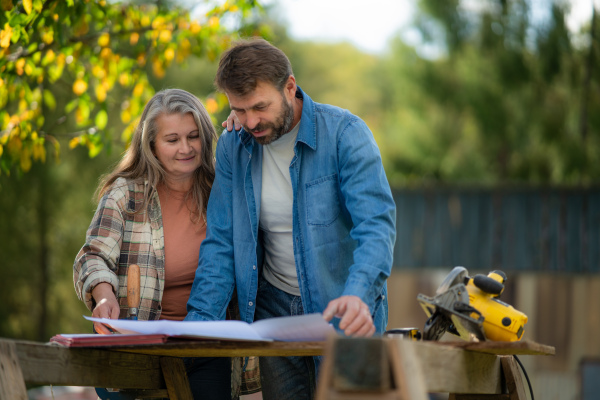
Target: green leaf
{"type": "Point", "coordinates": [101, 119]}
{"type": "Point", "coordinates": [71, 105]}
{"type": "Point", "coordinates": [49, 99]}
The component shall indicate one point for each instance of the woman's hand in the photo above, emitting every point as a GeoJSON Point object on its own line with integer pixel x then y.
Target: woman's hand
{"type": "Point", "coordinates": [107, 306]}
{"type": "Point", "coordinates": [232, 122]}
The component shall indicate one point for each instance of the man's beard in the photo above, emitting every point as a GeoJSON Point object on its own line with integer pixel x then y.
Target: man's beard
{"type": "Point", "coordinates": [281, 126]}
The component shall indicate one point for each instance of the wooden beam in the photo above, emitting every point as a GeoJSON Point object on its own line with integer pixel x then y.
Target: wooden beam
{"type": "Point", "coordinates": [176, 379]}
{"type": "Point", "coordinates": [12, 384]}
{"type": "Point", "coordinates": [451, 369]}
{"type": "Point", "coordinates": [523, 347]}
{"type": "Point", "coordinates": [44, 364]}
{"type": "Point", "coordinates": [233, 348]}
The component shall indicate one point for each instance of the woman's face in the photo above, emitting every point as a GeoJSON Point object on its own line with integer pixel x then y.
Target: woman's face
{"type": "Point", "coordinates": [177, 145]}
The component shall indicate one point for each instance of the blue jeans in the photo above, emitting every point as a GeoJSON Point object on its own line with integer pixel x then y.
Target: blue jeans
{"type": "Point", "coordinates": [283, 378]}
{"type": "Point", "coordinates": [209, 377]}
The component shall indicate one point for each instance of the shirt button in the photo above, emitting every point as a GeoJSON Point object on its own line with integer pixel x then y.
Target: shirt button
{"type": "Point", "coordinates": [249, 156]}
{"type": "Point", "coordinates": [254, 267]}
{"type": "Point", "coordinates": [250, 304]}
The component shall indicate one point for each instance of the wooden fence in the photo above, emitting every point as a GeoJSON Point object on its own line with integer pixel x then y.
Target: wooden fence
{"type": "Point", "coordinates": [524, 229]}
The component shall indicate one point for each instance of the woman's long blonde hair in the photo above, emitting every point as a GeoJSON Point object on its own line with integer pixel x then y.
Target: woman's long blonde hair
{"type": "Point", "coordinates": [139, 162]}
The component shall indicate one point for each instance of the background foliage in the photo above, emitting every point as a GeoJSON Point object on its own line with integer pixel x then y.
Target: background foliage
{"type": "Point", "coordinates": [507, 101]}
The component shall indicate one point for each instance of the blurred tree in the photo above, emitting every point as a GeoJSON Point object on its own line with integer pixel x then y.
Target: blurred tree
{"type": "Point", "coordinates": [103, 53]}
{"type": "Point", "coordinates": [121, 53]}
{"type": "Point", "coordinates": [511, 100]}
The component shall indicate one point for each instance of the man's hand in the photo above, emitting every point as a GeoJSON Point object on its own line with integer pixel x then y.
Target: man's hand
{"type": "Point", "coordinates": [107, 306]}
{"type": "Point", "coordinates": [232, 121]}
{"type": "Point", "coordinates": [355, 315]}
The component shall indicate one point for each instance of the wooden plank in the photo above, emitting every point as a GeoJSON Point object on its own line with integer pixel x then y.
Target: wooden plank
{"type": "Point", "coordinates": [523, 347]}
{"type": "Point", "coordinates": [44, 364]}
{"type": "Point", "coordinates": [176, 378]}
{"type": "Point", "coordinates": [12, 384]}
{"type": "Point", "coordinates": [451, 369]}
{"type": "Point", "coordinates": [233, 348]}
{"type": "Point", "coordinates": [409, 373]}
{"type": "Point", "coordinates": [453, 396]}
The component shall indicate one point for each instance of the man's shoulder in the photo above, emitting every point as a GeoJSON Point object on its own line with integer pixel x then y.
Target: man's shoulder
{"type": "Point", "coordinates": [232, 137]}
{"type": "Point", "coordinates": [330, 112]}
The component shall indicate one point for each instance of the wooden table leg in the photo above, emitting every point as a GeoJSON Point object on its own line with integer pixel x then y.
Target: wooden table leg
{"type": "Point", "coordinates": [407, 370]}
{"type": "Point", "coordinates": [176, 379]}
{"type": "Point", "coordinates": [514, 379]}
{"type": "Point", "coordinates": [12, 384]}
{"type": "Point", "coordinates": [514, 384]}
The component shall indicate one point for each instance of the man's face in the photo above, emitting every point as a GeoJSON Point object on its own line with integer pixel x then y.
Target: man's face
{"type": "Point", "coordinates": [266, 113]}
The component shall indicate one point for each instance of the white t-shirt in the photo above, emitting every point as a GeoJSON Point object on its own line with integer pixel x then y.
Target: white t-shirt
{"type": "Point", "coordinates": [275, 221]}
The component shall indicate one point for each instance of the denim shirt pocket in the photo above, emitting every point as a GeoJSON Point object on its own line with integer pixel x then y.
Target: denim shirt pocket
{"type": "Point", "coordinates": [322, 201]}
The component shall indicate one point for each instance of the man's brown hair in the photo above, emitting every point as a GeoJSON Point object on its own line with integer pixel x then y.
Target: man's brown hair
{"type": "Point", "coordinates": [251, 61]}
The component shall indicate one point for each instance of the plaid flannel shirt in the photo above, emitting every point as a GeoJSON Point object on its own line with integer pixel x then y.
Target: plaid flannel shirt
{"type": "Point", "coordinates": [118, 237]}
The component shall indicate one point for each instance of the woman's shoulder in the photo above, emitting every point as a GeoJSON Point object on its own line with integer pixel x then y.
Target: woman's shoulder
{"type": "Point", "coordinates": [123, 189]}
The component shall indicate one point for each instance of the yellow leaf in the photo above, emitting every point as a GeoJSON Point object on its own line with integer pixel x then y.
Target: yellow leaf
{"type": "Point", "coordinates": [165, 36]}
{"type": "Point", "coordinates": [124, 79]}
{"type": "Point", "coordinates": [5, 36]}
{"type": "Point", "coordinates": [211, 106]}
{"type": "Point", "coordinates": [74, 142]}
{"type": "Point", "coordinates": [1, 150]}
{"type": "Point", "coordinates": [28, 6]}
{"type": "Point", "coordinates": [158, 68]}
{"type": "Point", "coordinates": [213, 22]}
{"type": "Point", "coordinates": [100, 93]}
{"type": "Point", "coordinates": [141, 59]}
{"type": "Point", "coordinates": [105, 53]}
{"type": "Point", "coordinates": [138, 90]}
{"type": "Point", "coordinates": [79, 87]}
{"type": "Point", "coordinates": [158, 23]}
{"type": "Point", "coordinates": [195, 27]}
{"type": "Point", "coordinates": [104, 40]}
{"type": "Point", "coordinates": [169, 54]}
{"type": "Point", "coordinates": [19, 66]}
{"type": "Point", "coordinates": [133, 39]}
{"type": "Point", "coordinates": [28, 69]}
{"type": "Point", "coordinates": [39, 151]}
{"type": "Point", "coordinates": [125, 116]}
{"type": "Point", "coordinates": [49, 57]}
{"type": "Point", "coordinates": [47, 35]}
{"type": "Point", "coordinates": [26, 159]}
{"type": "Point", "coordinates": [15, 144]}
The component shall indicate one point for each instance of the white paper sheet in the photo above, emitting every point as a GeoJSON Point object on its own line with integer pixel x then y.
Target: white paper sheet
{"type": "Point", "coordinates": [310, 327]}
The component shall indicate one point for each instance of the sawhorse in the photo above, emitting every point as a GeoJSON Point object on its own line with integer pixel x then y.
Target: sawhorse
{"type": "Point", "coordinates": [401, 369]}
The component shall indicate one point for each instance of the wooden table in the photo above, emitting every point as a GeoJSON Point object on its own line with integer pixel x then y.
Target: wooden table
{"type": "Point", "coordinates": [150, 370]}
{"type": "Point", "coordinates": [412, 368]}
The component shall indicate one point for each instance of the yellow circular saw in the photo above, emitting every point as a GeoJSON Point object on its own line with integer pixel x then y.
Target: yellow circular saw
{"type": "Point", "coordinates": [470, 308]}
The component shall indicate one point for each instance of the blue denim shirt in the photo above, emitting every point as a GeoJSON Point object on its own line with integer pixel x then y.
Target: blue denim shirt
{"type": "Point", "coordinates": [343, 219]}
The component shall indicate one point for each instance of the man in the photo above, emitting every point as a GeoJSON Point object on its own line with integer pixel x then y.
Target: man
{"type": "Point", "coordinates": [300, 219]}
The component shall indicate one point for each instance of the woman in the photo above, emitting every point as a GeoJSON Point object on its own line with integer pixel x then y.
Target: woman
{"type": "Point", "coordinates": [151, 212]}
